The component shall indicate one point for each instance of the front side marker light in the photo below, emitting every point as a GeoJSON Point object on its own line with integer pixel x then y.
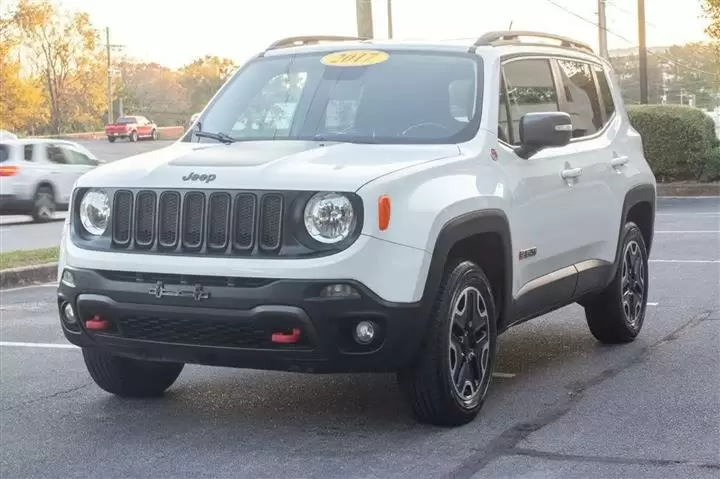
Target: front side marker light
{"type": "Point", "coordinates": [383, 212]}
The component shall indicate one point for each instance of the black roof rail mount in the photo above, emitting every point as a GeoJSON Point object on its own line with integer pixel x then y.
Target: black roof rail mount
{"type": "Point", "coordinates": [311, 40]}
{"type": "Point", "coordinates": [513, 36]}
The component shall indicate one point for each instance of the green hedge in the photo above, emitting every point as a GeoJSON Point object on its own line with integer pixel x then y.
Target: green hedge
{"type": "Point", "coordinates": [679, 141]}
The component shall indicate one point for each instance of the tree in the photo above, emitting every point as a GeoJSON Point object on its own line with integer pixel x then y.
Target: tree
{"type": "Point", "coordinates": [203, 77]}
{"type": "Point", "coordinates": [675, 75]}
{"type": "Point", "coordinates": [153, 91]}
{"type": "Point", "coordinates": [22, 103]}
{"type": "Point", "coordinates": [68, 59]}
{"type": "Point", "coordinates": [694, 70]}
{"type": "Point", "coordinates": [712, 12]}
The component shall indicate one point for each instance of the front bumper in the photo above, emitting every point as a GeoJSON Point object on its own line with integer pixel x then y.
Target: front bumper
{"type": "Point", "coordinates": [233, 322]}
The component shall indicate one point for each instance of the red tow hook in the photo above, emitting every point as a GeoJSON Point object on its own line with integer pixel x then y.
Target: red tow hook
{"type": "Point", "coordinates": [284, 338]}
{"type": "Point", "coordinates": [96, 324]}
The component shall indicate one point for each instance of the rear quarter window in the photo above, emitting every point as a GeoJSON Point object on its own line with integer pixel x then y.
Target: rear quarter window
{"type": "Point", "coordinates": [4, 152]}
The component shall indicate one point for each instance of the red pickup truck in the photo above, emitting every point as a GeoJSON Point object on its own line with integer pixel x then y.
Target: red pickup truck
{"type": "Point", "coordinates": [131, 127]}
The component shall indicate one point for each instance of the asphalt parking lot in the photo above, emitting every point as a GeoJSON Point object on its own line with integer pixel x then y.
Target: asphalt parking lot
{"type": "Point", "coordinates": [18, 232]}
{"type": "Point", "coordinates": [562, 405]}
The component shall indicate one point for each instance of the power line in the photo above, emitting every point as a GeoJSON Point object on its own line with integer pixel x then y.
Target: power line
{"type": "Point", "coordinates": [671, 60]}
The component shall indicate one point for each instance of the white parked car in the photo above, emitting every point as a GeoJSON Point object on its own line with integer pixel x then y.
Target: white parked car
{"type": "Point", "coordinates": [37, 175]}
{"type": "Point", "coordinates": [367, 206]}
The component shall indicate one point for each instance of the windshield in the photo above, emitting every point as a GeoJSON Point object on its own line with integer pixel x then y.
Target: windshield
{"type": "Point", "coordinates": [398, 97]}
{"type": "Point", "coordinates": [126, 120]}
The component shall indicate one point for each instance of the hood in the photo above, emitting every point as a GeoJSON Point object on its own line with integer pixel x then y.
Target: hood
{"type": "Point", "coordinates": [286, 165]}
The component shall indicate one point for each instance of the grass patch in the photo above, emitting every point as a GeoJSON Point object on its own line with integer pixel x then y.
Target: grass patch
{"type": "Point", "coordinates": [16, 259]}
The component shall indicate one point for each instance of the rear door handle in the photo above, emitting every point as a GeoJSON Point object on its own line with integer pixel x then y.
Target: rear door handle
{"type": "Point", "coordinates": [619, 161]}
{"type": "Point", "coordinates": [571, 173]}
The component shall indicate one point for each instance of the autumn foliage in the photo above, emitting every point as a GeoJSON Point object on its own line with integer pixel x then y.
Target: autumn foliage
{"type": "Point", "coordinates": [54, 75]}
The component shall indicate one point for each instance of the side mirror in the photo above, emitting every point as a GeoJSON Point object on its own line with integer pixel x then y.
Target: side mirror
{"type": "Point", "coordinates": [543, 130]}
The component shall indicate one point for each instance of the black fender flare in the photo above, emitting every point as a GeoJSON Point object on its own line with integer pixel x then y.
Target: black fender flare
{"type": "Point", "coordinates": [462, 227]}
{"type": "Point", "coordinates": [645, 193]}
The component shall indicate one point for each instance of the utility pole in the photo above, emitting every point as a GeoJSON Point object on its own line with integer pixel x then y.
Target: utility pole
{"type": "Point", "coordinates": [363, 10]}
{"type": "Point", "coordinates": [109, 46]}
{"type": "Point", "coordinates": [389, 19]}
{"type": "Point", "coordinates": [110, 117]}
{"type": "Point", "coordinates": [602, 29]}
{"type": "Point", "coordinates": [643, 53]}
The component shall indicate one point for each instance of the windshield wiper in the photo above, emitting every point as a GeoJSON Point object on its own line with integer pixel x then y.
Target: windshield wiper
{"type": "Point", "coordinates": [341, 138]}
{"type": "Point", "coordinates": [227, 139]}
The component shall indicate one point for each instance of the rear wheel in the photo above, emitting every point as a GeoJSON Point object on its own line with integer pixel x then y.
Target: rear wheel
{"type": "Point", "coordinates": [133, 136]}
{"type": "Point", "coordinates": [126, 377]}
{"type": "Point", "coordinates": [617, 314]}
{"type": "Point", "coordinates": [111, 139]}
{"type": "Point", "coordinates": [43, 205]}
{"type": "Point", "coordinates": [449, 381]}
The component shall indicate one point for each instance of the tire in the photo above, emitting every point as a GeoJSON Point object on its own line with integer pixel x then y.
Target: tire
{"type": "Point", "coordinates": [429, 384]}
{"type": "Point", "coordinates": [111, 139]}
{"type": "Point", "coordinates": [154, 135]}
{"type": "Point", "coordinates": [133, 136]}
{"type": "Point", "coordinates": [614, 317]}
{"type": "Point", "coordinates": [130, 378]}
{"type": "Point", "coordinates": [44, 205]}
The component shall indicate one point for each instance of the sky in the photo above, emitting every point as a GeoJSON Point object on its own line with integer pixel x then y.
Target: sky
{"type": "Point", "coordinates": [174, 32]}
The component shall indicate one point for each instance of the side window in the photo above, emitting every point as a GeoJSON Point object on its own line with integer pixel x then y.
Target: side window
{"type": "Point", "coordinates": [530, 88]}
{"type": "Point", "coordinates": [504, 130]}
{"type": "Point", "coordinates": [55, 154]}
{"type": "Point", "coordinates": [79, 158]}
{"type": "Point", "coordinates": [608, 103]}
{"type": "Point", "coordinates": [28, 151]}
{"type": "Point", "coordinates": [4, 152]}
{"type": "Point", "coordinates": [582, 102]}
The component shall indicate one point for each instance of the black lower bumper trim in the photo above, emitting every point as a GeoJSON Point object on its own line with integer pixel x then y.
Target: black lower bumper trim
{"type": "Point", "coordinates": [234, 326]}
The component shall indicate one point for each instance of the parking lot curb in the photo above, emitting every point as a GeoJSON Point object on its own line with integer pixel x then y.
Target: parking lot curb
{"type": "Point", "coordinates": [28, 275]}
{"type": "Point", "coordinates": [688, 189]}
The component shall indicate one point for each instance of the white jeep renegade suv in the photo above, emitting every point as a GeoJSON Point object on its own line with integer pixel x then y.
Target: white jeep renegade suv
{"type": "Point", "coordinates": [344, 205]}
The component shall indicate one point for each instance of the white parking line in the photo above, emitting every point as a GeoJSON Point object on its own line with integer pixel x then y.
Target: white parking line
{"type": "Point", "coordinates": [693, 261]}
{"type": "Point", "coordinates": [688, 214]}
{"type": "Point", "coordinates": [652, 304]}
{"type": "Point", "coordinates": [38, 345]}
{"type": "Point", "coordinates": [695, 232]}
{"type": "Point", "coordinates": [15, 344]}
{"type": "Point", "coordinates": [22, 288]}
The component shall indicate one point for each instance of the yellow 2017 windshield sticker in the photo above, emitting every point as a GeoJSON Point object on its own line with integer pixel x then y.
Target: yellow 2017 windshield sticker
{"type": "Point", "coordinates": [355, 58]}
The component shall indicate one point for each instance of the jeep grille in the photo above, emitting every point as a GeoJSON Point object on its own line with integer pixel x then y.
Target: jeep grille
{"type": "Point", "coordinates": [197, 221]}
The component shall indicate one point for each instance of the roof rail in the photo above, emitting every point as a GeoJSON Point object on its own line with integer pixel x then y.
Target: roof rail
{"type": "Point", "coordinates": [513, 36]}
{"type": "Point", "coordinates": [310, 40]}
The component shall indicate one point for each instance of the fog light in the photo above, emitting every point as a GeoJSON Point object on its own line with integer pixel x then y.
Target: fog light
{"type": "Point", "coordinates": [68, 279]}
{"type": "Point", "coordinates": [339, 291]}
{"type": "Point", "coordinates": [364, 332]}
{"type": "Point", "coordinates": [69, 313]}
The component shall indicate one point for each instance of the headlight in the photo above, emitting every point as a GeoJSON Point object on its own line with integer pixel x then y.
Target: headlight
{"type": "Point", "coordinates": [329, 217]}
{"type": "Point", "coordinates": [95, 212]}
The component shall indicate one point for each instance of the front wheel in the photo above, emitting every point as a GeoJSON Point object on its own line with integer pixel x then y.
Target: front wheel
{"type": "Point", "coordinates": [617, 314]}
{"type": "Point", "coordinates": [132, 378]}
{"type": "Point", "coordinates": [449, 381]}
{"type": "Point", "coordinates": [154, 135]}
{"type": "Point", "coordinates": [43, 205]}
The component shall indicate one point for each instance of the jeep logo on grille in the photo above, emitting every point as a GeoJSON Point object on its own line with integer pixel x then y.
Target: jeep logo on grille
{"type": "Point", "coordinates": [196, 177]}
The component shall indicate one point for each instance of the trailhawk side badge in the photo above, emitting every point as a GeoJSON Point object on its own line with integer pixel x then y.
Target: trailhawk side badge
{"type": "Point", "coordinates": [527, 253]}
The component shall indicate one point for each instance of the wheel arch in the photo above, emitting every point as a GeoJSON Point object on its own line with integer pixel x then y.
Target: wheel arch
{"type": "Point", "coordinates": [46, 184]}
{"type": "Point", "coordinates": [475, 236]}
{"type": "Point", "coordinates": [639, 206]}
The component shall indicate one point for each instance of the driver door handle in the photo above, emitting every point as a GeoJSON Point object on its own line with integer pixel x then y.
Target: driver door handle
{"type": "Point", "coordinates": [571, 173]}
